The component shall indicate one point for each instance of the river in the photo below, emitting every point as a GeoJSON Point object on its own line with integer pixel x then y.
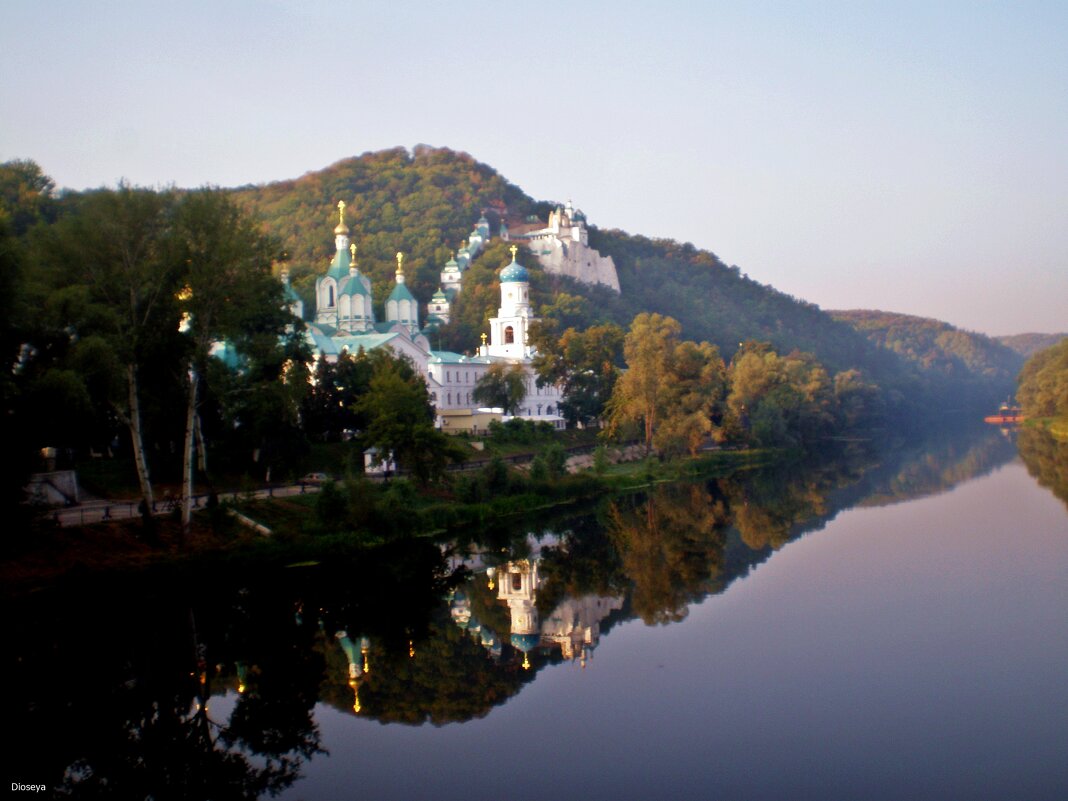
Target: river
{"type": "Point", "coordinates": [881, 625]}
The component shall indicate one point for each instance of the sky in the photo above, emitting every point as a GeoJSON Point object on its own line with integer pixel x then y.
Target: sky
{"type": "Point", "coordinates": [911, 157]}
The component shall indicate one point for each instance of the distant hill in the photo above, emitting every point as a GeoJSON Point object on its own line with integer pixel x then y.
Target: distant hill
{"type": "Point", "coordinates": [1027, 345]}
{"type": "Point", "coordinates": [940, 351]}
{"type": "Point", "coordinates": [425, 201]}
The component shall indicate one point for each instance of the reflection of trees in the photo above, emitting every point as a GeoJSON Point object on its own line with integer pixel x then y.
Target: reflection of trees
{"type": "Point", "coordinates": [106, 713]}
{"type": "Point", "coordinates": [935, 466]}
{"type": "Point", "coordinates": [450, 677]}
{"type": "Point", "coordinates": [115, 680]}
{"type": "Point", "coordinates": [766, 507]}
{"type": "Point", "coordinates": [586, 562]}
{"type": "Point", "coordinates": [670, 544]}
{"type": "Point", "coordinates": [1046, 459]}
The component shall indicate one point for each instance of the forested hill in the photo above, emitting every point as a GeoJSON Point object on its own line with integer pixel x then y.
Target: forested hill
{"type": "Point", "coordinates": [938, 348]}
{"type": "Point", "coordinates": [1027, 345]}
{"type": "Point", "coordinates": [424, 203]}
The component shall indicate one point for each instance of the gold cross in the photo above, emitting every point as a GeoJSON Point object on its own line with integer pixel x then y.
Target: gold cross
{"type": "Point", "coordinates": [513, 248]}
{"type": "Point", "coordinates": [341, 212]}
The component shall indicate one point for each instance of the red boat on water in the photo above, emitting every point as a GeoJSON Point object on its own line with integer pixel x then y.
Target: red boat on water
{"type": "Point", "coordinates": [1007, 415]}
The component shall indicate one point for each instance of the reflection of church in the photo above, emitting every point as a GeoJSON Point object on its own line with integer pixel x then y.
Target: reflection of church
{"type": "Point", "coordinates": [344, 320]}
{"type": "Point", "coordinates": [574, 625]}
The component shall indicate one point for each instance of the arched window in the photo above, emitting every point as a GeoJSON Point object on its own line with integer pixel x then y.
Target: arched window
{"type": "Point", "coordinates": [509, 335]}
{"type": "Point", "coordinates": [330, 296]}
{"type": "Point", "coordinates": [517, 582]}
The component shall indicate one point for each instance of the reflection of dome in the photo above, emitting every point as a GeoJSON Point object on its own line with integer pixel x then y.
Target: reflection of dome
{"type": "Point", "coordinates": [525, 642]}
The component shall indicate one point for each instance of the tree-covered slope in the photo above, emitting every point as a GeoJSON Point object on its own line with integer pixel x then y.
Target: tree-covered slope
{"type": "Point", "coordinates": [1043, 388]}
{"type": "Point", "coordinates": [942, 353]}
{"type": "Point", "coordinates": [1027, 345]}
{"type": "Point", "coordinates": [424, 203]}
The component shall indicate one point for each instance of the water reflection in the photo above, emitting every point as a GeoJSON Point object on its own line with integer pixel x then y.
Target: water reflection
{"type": "Point", "coordinates": [204, 684]}
{"type": "Point", "coordinates": [1046, 458]}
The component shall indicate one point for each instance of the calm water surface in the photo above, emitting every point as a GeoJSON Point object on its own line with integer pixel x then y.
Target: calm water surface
{"type": "Point", "coordinates": [889, 626]}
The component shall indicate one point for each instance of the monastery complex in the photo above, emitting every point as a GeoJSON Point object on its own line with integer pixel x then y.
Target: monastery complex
{"type": "Point", "coordinates": [344, 317]}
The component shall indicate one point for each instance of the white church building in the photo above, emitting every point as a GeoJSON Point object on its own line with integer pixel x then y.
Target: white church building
{"type": "Point", "coordinates": [344, 320]}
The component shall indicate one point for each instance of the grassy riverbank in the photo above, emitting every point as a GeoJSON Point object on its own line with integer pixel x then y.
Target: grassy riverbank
{"type": "Point", "coordinates": [351, 514]}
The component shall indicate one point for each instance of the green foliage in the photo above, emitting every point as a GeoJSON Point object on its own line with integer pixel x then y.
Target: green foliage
{"type": "Point", "coordinates": [1043, 390]}
{"type": "Point", "coordinates": [520, 432]}
{"type": "Point", "coordinates": [27, 196]}
{"type": "Point", "coordinates": [674, 389]}
{"type": "Point", "coordinates": [502, 386]}
{"type": "Point", "coordinates": [584, 363]}
{"type": "Point", "coordinates": [423, 203]}
{"type": "Point", "coordinates": [950, 366]}
{"type": "Point", "coordinates": [400, 421]}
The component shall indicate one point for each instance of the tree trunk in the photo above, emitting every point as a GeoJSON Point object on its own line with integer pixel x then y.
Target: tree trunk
{"type": "Point", "coordinates": [133, 422]}
{"type": "Point", "coordinates": [187, 453]}
{"type": "Point", "coordinates": [202, 449]}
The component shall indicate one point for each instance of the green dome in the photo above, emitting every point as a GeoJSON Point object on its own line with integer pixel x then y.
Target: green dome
{"type": "Point", "coordinates": [514, 273]}
{"type": "Point", "coordinates": [351, 285]}
{"type": "Point", "coordinates": [400, 292]}
{"type": "Point", "coordinates": [525, 642]}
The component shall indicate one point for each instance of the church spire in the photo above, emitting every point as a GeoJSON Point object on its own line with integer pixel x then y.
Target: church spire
{"type": "Point", "coordinates": [341, 227]}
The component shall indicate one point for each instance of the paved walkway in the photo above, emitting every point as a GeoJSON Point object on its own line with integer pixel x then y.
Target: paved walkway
{"type": "Point", "coordinates": [98, 511]}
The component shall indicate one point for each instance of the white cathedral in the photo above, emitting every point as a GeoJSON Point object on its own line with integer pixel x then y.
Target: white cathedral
{"type": "Point", "coordinates": [344, 320]}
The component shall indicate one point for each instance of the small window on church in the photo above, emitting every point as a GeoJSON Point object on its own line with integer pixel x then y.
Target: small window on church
{"type": "Point", "coordinates": [330, 296]}
{"type": "Point", "coordinates": [517, 582]}
{"type": "Point", "coordinates": [509, 335]}
{"type": "Point", "coordinates": [450, 399]}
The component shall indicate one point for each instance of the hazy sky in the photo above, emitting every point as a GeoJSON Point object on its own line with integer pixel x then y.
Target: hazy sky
{"type": "Point", "coordinates": [903, 156]}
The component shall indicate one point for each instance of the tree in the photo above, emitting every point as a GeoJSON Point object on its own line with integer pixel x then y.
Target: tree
{"type": "Point", "coordinates": [695, 397]}
{"type": "Point", "coordinates": [401, 421]}
{"type": "Point", "coordinates": [642, 392]}
{"type": "Point", "coordinates": [502, 386]}
{"type": "Point", "coordinates": [27, 195]}
{"type": "Point", "coordinates": [1043, 390]}
{"type": "Point", "coordinates": [228, 294]}
{"type": "Point", "coordinates": [583, 363]}
{"type": "Point", "coordinates": [114, 259]}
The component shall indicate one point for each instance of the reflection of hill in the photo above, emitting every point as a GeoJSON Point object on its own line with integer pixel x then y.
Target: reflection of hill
{"type": "Point", "coordinates": [1046, 459]}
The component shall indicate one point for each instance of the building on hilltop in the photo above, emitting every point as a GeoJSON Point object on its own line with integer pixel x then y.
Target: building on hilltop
{"type": "Point", "coordinates": [562, 247]}
{"type": "Point", "coordinates": [344, 320]}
